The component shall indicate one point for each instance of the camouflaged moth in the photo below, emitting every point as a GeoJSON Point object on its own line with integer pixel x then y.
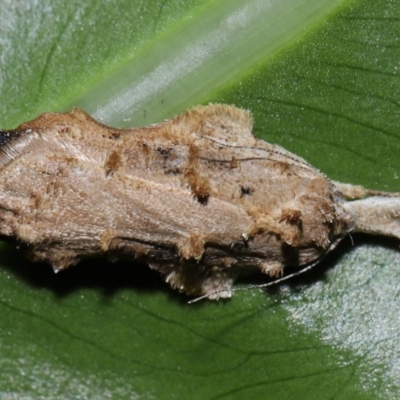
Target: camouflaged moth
{"type": "Point", "coordinates": [197, 197]}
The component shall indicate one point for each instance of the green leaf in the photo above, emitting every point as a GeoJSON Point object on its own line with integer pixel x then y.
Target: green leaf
{"type": "Point", "coordinates": [321, 79]}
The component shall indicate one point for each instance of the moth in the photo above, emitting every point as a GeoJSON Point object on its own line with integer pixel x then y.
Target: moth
{"type": "Point", "coordinates": [197, 197]}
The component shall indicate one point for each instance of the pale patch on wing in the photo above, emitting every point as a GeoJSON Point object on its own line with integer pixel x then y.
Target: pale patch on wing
{"type": "Point", "coordinates": [222, 123]}
{"type": "Point", "coordinates": [38, 142]}
{"type": "Point", "coordinates": [231, 127]}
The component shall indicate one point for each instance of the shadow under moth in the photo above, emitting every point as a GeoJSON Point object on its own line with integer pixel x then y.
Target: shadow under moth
{"type": "Point", "coordinates": [198, 198]}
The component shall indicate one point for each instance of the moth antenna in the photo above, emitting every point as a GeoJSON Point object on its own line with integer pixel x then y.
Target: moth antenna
{"type": "Point", "coordinates": [264, 285]}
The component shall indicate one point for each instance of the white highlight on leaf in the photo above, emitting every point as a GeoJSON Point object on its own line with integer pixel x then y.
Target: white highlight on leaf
{"type": "Point", "coordinates": [358, 309]}
{"type": "Point", "coordinates": [184, 62]}
{"type": "Point", "coordinates": [48, 381]}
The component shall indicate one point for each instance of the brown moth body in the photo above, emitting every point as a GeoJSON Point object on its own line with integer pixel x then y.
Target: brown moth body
{"type": "Point", "coordinates": [197, 197]}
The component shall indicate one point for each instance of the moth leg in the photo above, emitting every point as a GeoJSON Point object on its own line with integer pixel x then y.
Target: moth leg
{"type": "Point", "coordinates": [59, 259]}
{"type": "Point", "coordinates": [274, 269]}
{"type": "Point", "coordinates": [197, 280]}
{"type": "Point", "coordinates": [218, 284]}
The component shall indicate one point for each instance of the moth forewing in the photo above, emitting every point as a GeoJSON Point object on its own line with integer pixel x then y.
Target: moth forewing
{"type": "Point", "coordinates": [197, 197]}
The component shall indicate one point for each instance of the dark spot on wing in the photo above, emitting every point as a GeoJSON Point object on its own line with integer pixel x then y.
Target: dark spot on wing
{"type": "Point", "coordinates": [238, 246]}
{"type": "Point", "coordinates": [164, 152]}
{"type": "Point", "coordinates": [246, 191]}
